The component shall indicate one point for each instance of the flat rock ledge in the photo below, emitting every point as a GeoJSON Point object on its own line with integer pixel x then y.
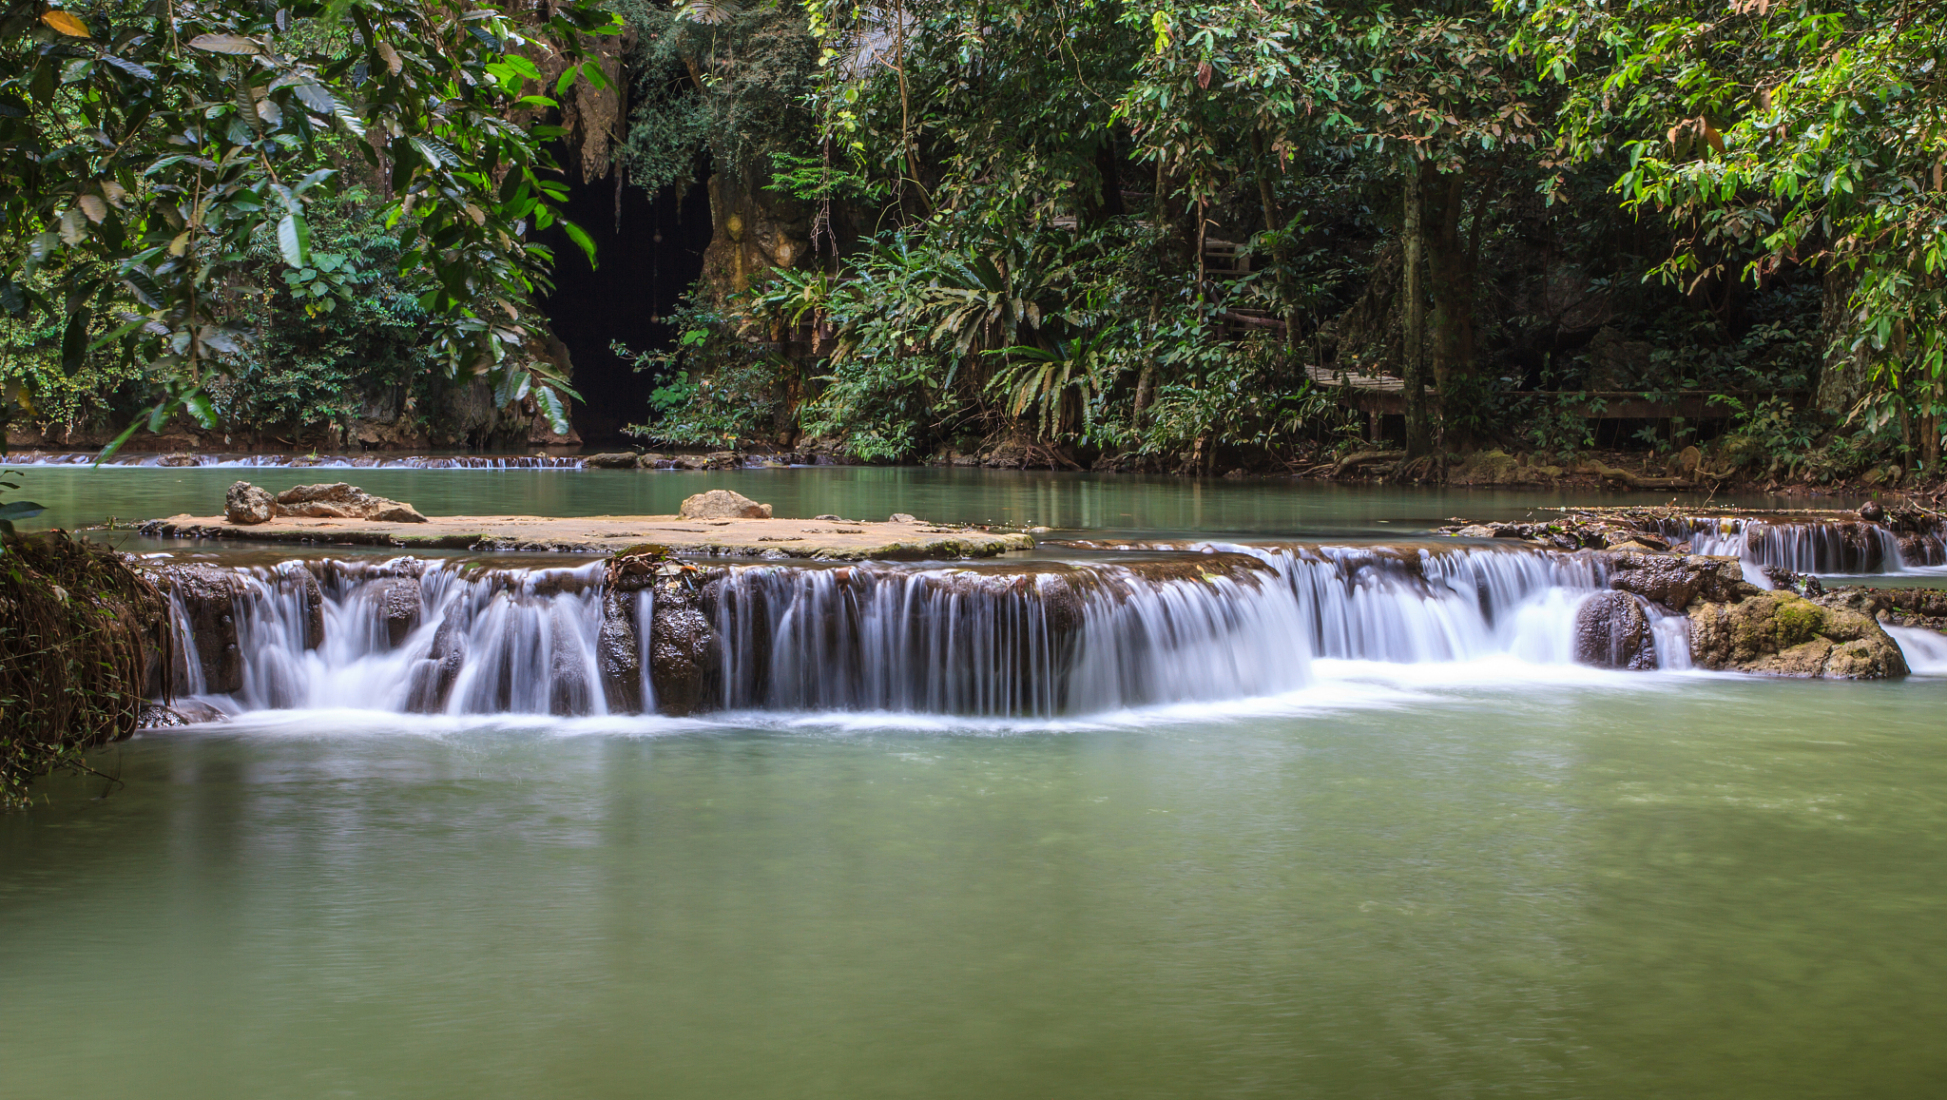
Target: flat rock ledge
{"type": "Point", "coordinates": [899, 539]}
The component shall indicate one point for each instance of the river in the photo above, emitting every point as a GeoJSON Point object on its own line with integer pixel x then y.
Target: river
{"type": "Point", "coordinates": [1493, 876]}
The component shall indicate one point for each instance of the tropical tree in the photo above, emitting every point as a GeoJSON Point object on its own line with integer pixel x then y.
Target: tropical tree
{"type": "Point", "coordinates": [147, 145]}
{"type": "Point", "coordinates": [1773, 136]}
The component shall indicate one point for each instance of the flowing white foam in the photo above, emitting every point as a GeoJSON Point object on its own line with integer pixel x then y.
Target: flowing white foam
{"type": "Point", "coordinates": [1226, 628]}
{"type": "Point", "coordinates": [1925, 650]}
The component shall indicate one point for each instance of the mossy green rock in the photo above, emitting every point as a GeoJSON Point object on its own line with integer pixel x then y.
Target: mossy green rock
{"type": "Point", "coordinates": [1780, 634]}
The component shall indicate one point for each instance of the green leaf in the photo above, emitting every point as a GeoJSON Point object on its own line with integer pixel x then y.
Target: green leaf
{"type": "Point", "coordinates": [436, 152]}
{"type": "Point", "coordinates": [74, 342]}
{"type": "Point", "coordinates": [294, 240]}
{"type": "Point", "coordinates": [314, 179]}
{"type": "Point", "coordinates": [224, 43]}
{"type": "Point", "coordinates": [22, 509]}
{"type": "Point", "coordinates": [114, 445]}
{"type": "Point", "coordinates": [556, 411]}
{"type": "Point", "coordinates": [198, 404]}
{"type": "Point", "coordinates": [581, 238]}
{"type": "Point", "coordinates": [145, 289]}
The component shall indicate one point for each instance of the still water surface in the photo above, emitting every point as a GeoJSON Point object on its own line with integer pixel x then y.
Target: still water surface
{"type": "Point", "coordinates": [1405, 881]}
{"type": "Point", "coordinates": [1114, 503]}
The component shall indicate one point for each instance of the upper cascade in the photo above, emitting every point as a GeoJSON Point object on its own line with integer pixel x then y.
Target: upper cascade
{"type": "Point", "coordinates": [1830, 547]}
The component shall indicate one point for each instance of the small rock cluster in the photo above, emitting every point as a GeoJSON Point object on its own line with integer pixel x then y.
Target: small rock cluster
{"type": "Point", "coordinates": [246, 504]}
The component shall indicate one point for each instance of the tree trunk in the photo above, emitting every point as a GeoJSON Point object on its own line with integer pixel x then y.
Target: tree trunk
{"type": "Point", "coordinates": [1267, 197]}
{"type": "Point", "coordinates": [1450, 274]}
{"type": "Point", "coordinates": [1418, 439]}
{"type": "Point", "coordinates": [1841, 379]}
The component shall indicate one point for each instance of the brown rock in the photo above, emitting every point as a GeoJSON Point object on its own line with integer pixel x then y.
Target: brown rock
{"type": "Point", "coordinates": [398, 603]}
{"type": "Point", "coordinates": [313, 596]}
{"type": "Point", "coordinates": [245, 503]}
{"type": "Point", "coordinates": [619, 652]}
{"type": "Point", "coordinates": [723, 504]}
{"type": "Point", "coordinates": [208, 596]}
{"type": "Point", "coordinates": [1613, 631]}
{"type": "Point", "coordinates": [616, 460]}
{"type": "Point", "coordinates": [339, 500]}
{"type": "Point", "coordinates": [683, 653]}
{"type": "Point", "coordinates": [1674, 582]}
{"type": "Point", "coordinates": [432, 681]}
{"type": "Point", "coordinates": [1781, 634]}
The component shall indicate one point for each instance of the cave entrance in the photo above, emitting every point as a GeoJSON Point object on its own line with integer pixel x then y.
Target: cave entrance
{"type": "Point", "coordinates": [647, 259]}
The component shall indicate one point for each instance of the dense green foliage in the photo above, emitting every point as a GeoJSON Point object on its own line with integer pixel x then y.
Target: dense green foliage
{"type": "Point", "coordinates": [153, 148]}
{"type": "Point", "coordinates": [1031, 214]}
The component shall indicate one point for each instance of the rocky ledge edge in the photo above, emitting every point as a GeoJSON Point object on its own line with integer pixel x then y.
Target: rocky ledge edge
{"type": "Point", "coordinates": [718, 523]}
{"type": "Point", "coordinates": [1798, 628]}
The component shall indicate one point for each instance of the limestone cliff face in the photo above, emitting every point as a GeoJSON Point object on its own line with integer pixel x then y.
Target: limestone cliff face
{"type": "Point", "coordinates": [755, 230]}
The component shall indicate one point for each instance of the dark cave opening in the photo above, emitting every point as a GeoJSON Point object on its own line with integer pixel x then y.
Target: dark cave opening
{"type": "Point", "coordinates": [647, 259]}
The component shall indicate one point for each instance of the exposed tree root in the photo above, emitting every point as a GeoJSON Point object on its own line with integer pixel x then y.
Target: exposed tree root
{"type": "Point", "coordinates": [80, 633]}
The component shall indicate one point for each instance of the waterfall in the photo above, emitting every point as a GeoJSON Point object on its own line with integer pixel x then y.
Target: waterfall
{"type": "Point", "coordinates": [1846, 546]}
{"type": "Point", "coordinates": [1207, 623]}
{"type": "Point", "coordinates": [416, 636]}
{"type": "Point", "coordinates": [1055, 640]}
{"type": "Point", "coordinates": [1925, 650]}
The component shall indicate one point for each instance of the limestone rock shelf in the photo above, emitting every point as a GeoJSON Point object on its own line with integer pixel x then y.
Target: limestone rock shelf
{"type": "Point", "coordinates": [817, 539]}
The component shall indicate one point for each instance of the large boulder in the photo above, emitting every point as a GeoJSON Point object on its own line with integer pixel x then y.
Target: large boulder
{"type": "Point", "coordinates": [1676, 581]}
{"type": "Point", "coordinates": [684, 659]}
{"type": "Point", "coordinates": [340, 500]}
{"type": "Point", "coordinates": [247, 504]}
{"type": "Point", "coordinates": [723, 504]}
{"type": "Point", "coordinates": [1782, 634]}
{"type": "Point", "coordinates": [619, 653]}
{"type": "Point", "coordinates": [1613, 631]}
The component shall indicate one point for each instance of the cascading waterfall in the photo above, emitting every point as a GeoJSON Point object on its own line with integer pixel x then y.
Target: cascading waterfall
{"type": "Point", "coordinates": [1829, 548]}
{"type": "Point", "coordinates": [416, 636]}
{"type": "Point", "coordinates": [1044, 639]}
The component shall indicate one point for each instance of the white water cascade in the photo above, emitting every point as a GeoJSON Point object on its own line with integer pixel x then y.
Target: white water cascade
{"type": "Point", "coordinates": [1827, 548]}
{"type": "Point", "coordinates": [415, 636]}
{"type": "Point", "coordinates": [1041, 639]}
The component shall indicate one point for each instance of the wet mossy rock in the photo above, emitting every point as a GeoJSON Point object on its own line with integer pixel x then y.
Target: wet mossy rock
{"type": "Point", "coordinates": [685, 659]}
{"type": "Point", "coordinates": [1782, 634]}
{"type": "Point", "coordinates": [1612, 630]}
{"type": "Point", "coordinates": [208, 596]}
